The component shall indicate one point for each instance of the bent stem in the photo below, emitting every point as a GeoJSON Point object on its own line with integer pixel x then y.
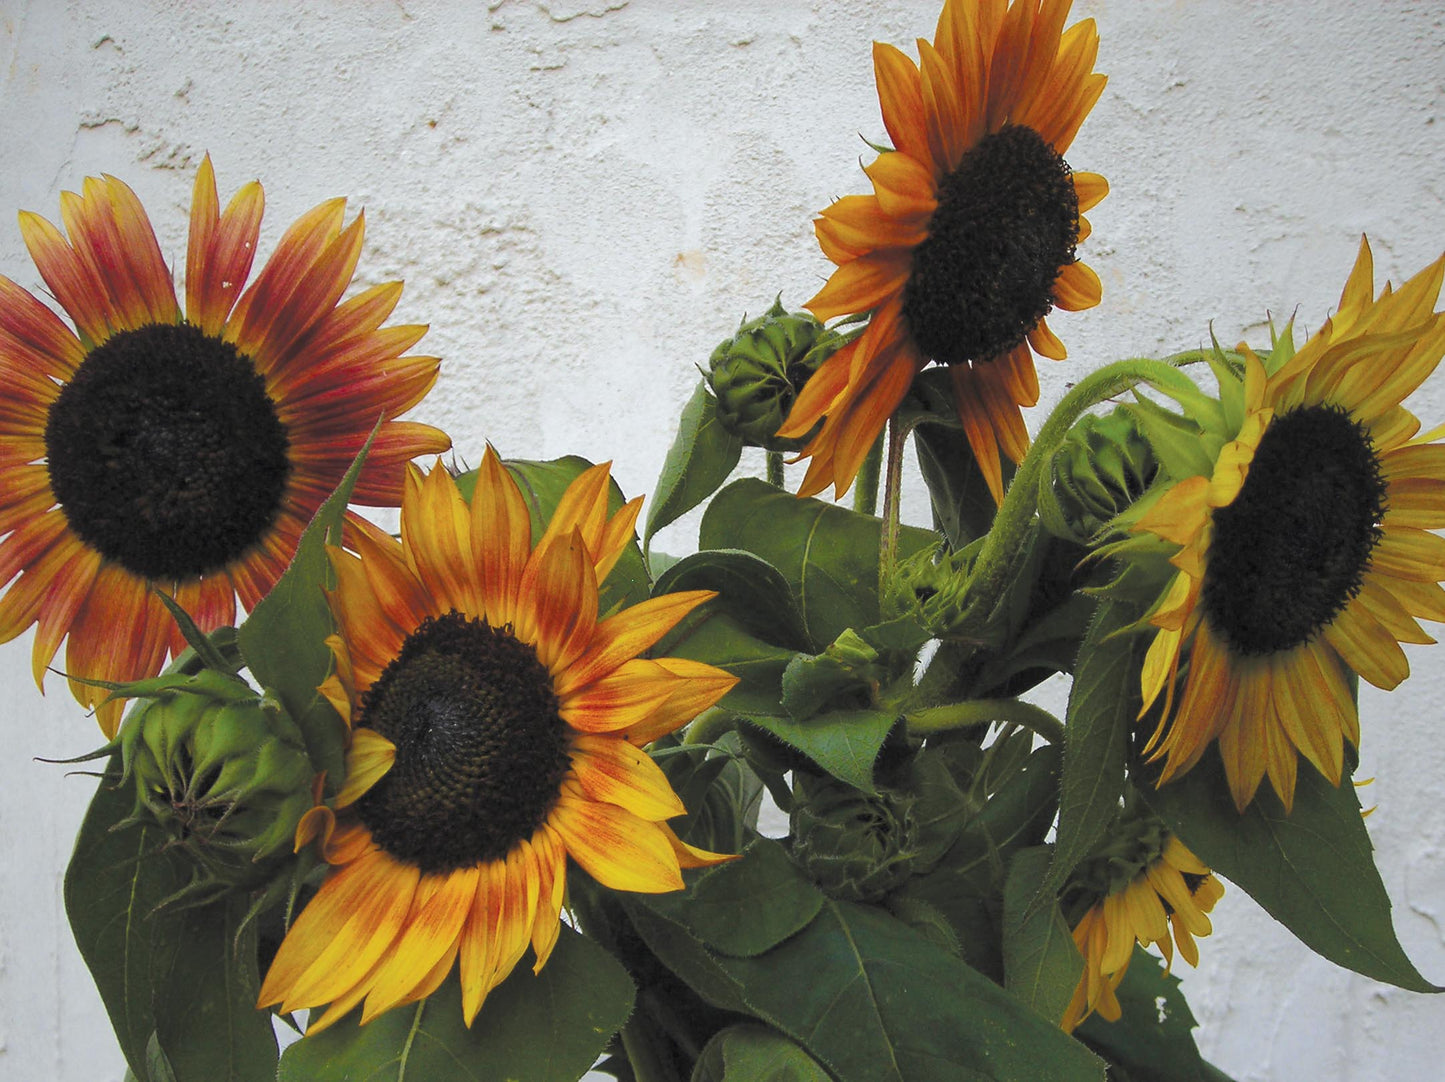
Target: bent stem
{"type": "Point", "coordinates": [940, 719]}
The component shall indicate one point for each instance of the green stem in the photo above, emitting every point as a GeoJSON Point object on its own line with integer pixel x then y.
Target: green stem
{"type": "Point", "coordinates": [892, 498]}
{"type": "Point", "coordinates": [643, 1055]}
{"type": "Point", "coordinates": [939, 719]}
{"type": "Point", "coordinates": [865, 489]}
{"type": "Point", "coordinates": [775, 468]}
{"type": "Point", "coordinates": [990, 574]}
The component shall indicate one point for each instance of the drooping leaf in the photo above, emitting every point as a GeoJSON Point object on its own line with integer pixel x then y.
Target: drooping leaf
{"type": "Point", "coordinates": [827, 554]}
{"type": "Point", "coordinates": [750, 590]}
{"type": "Point", "coordinates": [544, 1028]}
{"type": "Point", "coordinates": [170, 977]}
{"type": "Point", "coordinates": [1153, 1039]}
{"type": "Point", "coordinates": [701, 456]}
{"type": "Point", "coordinates": [1103, 703]}
{"type": "Point", "coordinates": [880, 1002]}
{"type": "Point", "coordinates": [754, 1053]}
{"type": "Point", "coordinates": [283, 641]}
{"type": "Point", "coordinates": [845, 743]}
{"type": "Point", "coordinates": [1312, 869]}
{"type": "Point", "coordinates": [1040, 962]}
{"type": "Point", "coordinates": [963, 507]}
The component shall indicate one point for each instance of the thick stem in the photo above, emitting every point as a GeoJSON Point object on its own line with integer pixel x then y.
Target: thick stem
{"type": "Point", "coordinates": [775, 468]}
{"type": "Point", "coordinates": [865, 489]}
{"type": "Point", "coordinates": [892, 498]}
{"type": "Point", "coordinates": [939, 719]}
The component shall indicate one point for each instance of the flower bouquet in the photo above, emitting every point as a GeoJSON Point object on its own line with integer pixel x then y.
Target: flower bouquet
{"type": "Point", "coordinates": [480, 797]}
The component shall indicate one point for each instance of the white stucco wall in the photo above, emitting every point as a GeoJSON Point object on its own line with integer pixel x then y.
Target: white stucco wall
{"type": "Point", "coordinates": [585, 195]}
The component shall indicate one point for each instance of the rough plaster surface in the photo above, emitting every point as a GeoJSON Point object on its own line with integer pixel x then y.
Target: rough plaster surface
{"type": "Point", "coordinates": [583, 196]}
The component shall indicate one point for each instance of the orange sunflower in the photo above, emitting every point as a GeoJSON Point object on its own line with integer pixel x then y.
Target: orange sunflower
{"type": "Point", "coordinates": [1173, 893]}
{"type": "Point", "coordinates": [151, 448]}
{"type": "Point", "coordinates": [968, 240]}
{"type": "Point", "coordinates": [1306, 553]}
{"type": "Point", "coordinates": [497, 730]}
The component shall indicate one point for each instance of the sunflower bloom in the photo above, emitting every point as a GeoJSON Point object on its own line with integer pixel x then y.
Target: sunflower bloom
{"type": "Point", "coordinates": [183, 450]}
{"type": "Point", "coordinates": [1306, 554]}
{"type": "Point", "coordinates": [968, 239]}
{"type": "Point", "coordinates": [497, 730]}
{"type": "Point", "coordinates": [1167, 903]}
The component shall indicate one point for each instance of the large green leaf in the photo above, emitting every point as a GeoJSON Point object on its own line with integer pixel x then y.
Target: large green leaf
{"type": "Point", "coordinates": [748, 906]}
{"type": "Point", "coordinates": [750, 590]}
{"type": "Point", "coordinates": [753, 1053]}
{"type": "Point", "coordinates": [845, 743]}
{"type": "Point", "coordinates": [701, 456]}
{"type": "Point", "coordinates": [544, 1028]}
{"type": "Point", "coordinates": [879, 1001]}
{"type": "Point", "coordinates": [1103, 703]}
{"type": "Point", "coordinates": [177, 983]}
{"type": "Point", "coordinates": [827, 554]}
{"type": "Point", "coordinates": [284, 639]}
{"type": "Point", "coordinates": [1152, 1040]}
{"type": "Point", "coordinates": [1041, 964]}
{"type": "Point", "coordinates": [1312, 869]}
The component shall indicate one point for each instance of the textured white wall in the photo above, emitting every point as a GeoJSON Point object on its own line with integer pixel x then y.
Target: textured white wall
{"type": "Point", "coordinates": [585, 195]}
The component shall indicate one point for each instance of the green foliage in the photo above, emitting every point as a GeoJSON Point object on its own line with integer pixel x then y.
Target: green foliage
{"type": "Point", "coordinates": [750, 590]}
{"type": "Point", "coordinates": [179, 984]}
{"type": "Point", "coordinates": [1312, 869]}
{"type": "Point", "coordinates": [283, 641]}
{"type": "Point", "coordinates": [753, 1053]}
{"type": "Point", "coordinates": [1041, 964]}
{"type": "Point", "coordinates": [701, 457]}
{"type": "Point", "coordinates": [544, 1028]}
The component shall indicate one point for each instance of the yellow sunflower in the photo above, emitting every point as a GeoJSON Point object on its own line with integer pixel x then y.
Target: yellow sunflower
{"type": "Point", "coordinates": [497, 729]}
{"type": "Point", "coordinates": [968, 240]}
{"type": "Point", "coordinates": [1172, 894]}
{"type": "Point", "coordinates": [183, 450]}
{"type": "Point", "coordinates": [1306, 554]}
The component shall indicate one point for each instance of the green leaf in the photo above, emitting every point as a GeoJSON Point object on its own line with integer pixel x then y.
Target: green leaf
{"type": "Point", "coordinates": [283, 641]}
{"type": "Point", "coordinates": [701, 456]}
{"type": "Point", "coordinates": [750, 590]}
{"type": "Point", "coordinates": [753, 1053]}
{"type": "Point", "coordinates": [1041, 964]}
{"type": "Point", "coordinates": [718, 639]}
{"type": "Point", "coordinates": [880, 1002]}
{"type": "Point", "coordinates": [1312, 870]}
{"type": "Point", "coordinates": [845, 743]}
{"type": "Point", "coordinates": [963, 507]}
{"type": "Point", "coordinates": [544, 1028]}
{"type": "Point", "coordinates": [170, 978]}
{"type": "Point", "coordinates": [1103, 703]}
{"type": "Point", "coordinates": [1153, 1039]}
{"type": "Point", "coordinates": [748, 906]}
{"type": "Point", "coordinates": [542, 485]}
{"type": "Point", "coordinates": [827, 554]}
{"type": "Point", "coordinates": [842, 676]}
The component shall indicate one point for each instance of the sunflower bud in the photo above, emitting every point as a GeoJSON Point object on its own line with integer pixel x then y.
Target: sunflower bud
{"type": "Point", "coordinates": [222, 770]}
{"type": "Point", "coordinates": [860, 847]}
{"type": "Point", "coordinates": [757, 373]}
{"type": "Point", "coordinates": [1103, 465]}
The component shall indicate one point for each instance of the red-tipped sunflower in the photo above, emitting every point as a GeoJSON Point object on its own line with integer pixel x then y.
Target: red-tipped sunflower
{"type": "Point", "coordinates": [183, 450]}
{"type": "Point", "coordinates": [497, 730]}
{"type": "Point", "coordinates": [968, 240]}
{"type": "Point", "coordinates": [1307, 553]}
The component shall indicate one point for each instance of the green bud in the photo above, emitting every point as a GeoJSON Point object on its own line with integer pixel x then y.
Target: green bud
{"type": "Point", "coordinates": [220, 769]}
{"type": "Point", "coordinates": [861, 847]}
{"type": "Point", "coordinates": [757, 373]}
{"type": "Point", "coordinates": [1103, 465]}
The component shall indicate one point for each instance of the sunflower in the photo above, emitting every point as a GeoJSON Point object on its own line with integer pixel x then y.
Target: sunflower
{"type": "Point", "coordinates": [1173, 893]}
{"type": "Point", "coordinates": [497, 729]}
{"type": "Point", "coordinates": [155, 449]}
{"type": "Point", "coordinates": [968, 241]}
{"type": "Point", "coordinates": [1305, 554]}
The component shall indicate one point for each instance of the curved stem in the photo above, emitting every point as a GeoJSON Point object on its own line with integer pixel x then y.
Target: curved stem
{"type": "Point", "coordinates": [865, 489]}
{"type": "Point", "coordinates": [939, 719]}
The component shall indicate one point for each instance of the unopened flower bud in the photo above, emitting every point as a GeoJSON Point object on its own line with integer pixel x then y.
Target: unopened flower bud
{"type": "Point", "coordinates": [757, 373]}
{"type": "Point", "coordinates": [1103, 465]}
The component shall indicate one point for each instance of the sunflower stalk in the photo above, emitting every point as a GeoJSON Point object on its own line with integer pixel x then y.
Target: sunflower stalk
{"type": "Point", "coordinates": [964, 715]}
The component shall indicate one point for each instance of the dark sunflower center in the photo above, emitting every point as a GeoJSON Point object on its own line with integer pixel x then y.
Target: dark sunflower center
{"type": "Point", "coordinates": [480, 748]}
{"type": "Point", "coordinates": [1007, 222]}
{"type": "Point", "coordinates": [166, 453]}
{"type": "Point", "coordinates": [1292, 549]}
